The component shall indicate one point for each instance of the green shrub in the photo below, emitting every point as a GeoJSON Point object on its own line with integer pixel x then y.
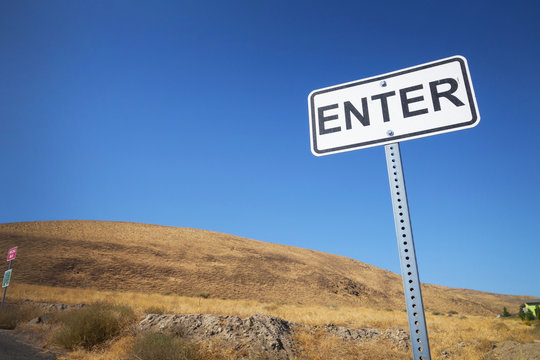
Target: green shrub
{"type": "Point", "coordinates": [92, 325]}
{"type": "Point", "coordinates": [204, 294]}
{"type": "Point", "coordinates": [521, 314]}
{"type": "Point", "coordinates": [158, 346]}
{"type": "Point", "coordinates": [537, 310]}
{"type": "Point", "coordinates": [505, 313]}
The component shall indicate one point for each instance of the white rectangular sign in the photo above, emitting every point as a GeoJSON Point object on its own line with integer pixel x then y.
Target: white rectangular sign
{"type": "Point", "coordinates": [423, 100]}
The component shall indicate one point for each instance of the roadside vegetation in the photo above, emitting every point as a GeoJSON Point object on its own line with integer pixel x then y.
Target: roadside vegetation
{"type": "Point", "coordinates": [104, 328]}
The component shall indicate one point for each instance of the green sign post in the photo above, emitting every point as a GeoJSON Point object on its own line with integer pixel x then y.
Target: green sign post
{"type": "Point", "coordinates": [7, 277]}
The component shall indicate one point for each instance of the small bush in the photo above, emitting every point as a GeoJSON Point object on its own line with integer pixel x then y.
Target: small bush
{"type": "Point", "coordinates": [92, 325]}
{"type": "Point", "coordinates": [158, 346]}
{"type": "Point", "coordinates": [452, 312]}
{"type": "Point", "coordinates": [204, 294]}
{"type": "Point", "coordinates": [505, 313]}
{"type": "Point", "coordinates": [529, 315]}
{"type": "Point", "coordinates": [436, 313]}
{"type": "Point", "coordinates": [11, 315]}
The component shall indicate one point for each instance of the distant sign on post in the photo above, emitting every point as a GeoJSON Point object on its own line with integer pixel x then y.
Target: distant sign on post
{"type": "Point", "coordinates": [423, 100]}
{"type": "Point", "coordinates": [11, 254]}
{"type": "Point", "coordinates": [7, 278]}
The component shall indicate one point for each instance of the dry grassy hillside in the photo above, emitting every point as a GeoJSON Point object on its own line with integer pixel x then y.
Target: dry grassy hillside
{"type": "Point", "coordinates": [159, 259]}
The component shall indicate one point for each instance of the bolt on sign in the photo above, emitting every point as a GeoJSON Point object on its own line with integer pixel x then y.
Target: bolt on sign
{"type": "Point", "coordinates": [420, 101]}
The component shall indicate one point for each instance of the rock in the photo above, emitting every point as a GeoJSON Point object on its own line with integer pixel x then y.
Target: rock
{"type": "Point", "coordinates": [35, 320]}
{"type": "Point", "coordinates": [260, 334]}
{"type": "Point", "coordinates": [396, 336]}
{"type": "Point", "coordinates": [257, 334]}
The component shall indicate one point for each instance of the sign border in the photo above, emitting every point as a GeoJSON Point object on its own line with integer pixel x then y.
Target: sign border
{"type": "Point", "coordinates": [391, 139]}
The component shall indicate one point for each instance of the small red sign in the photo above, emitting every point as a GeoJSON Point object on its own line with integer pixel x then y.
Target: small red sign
{"type": "Point", "coordinates": [12, 253]}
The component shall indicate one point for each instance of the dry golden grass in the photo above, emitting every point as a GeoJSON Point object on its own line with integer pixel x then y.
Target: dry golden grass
{"type": "Point", "coordinates": [467, 338]}
{"type": "Point", "coordinates": [146, 266]}
{"type": "Point", "coordinates": [165, 260]}
{"type": "Point", "coordinates": [321, 347]}
{"type": "Point", "coordinates": [354, 317]}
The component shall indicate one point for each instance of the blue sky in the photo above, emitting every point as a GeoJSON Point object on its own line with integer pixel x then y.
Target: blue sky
{"type": "Point", "coordinates": [194, 114]}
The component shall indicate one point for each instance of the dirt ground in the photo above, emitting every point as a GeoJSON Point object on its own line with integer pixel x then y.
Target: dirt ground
{"type": "Point", "coordinates": [511, 350]}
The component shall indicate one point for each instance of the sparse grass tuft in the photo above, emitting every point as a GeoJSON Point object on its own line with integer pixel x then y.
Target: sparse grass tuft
{"type": "Point", "coordinates": [12, 315]}
{"type": "Point", "coordinates": [155, 310]}
{"type": "Point", "coordinates": [320, 347]}
{"type": "Point", "coordinates": [159, 346]}
{"type": "Point", "coordinates": [92, 325]}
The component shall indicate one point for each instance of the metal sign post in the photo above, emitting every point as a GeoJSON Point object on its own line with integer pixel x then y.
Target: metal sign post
{"type": "Point", "coordinates": [424, 100]}
{"type": "Point", "coordinates": [407, 255]}
{"type": "Point", "coordinates": [12, 253]}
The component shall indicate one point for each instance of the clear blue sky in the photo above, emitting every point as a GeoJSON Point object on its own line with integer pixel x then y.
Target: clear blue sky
{"type": "Point", "coordinates": [194, 114]}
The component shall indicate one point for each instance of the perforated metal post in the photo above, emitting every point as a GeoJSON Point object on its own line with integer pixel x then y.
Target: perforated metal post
{"type": "Point", "coordinates": [407, 255]}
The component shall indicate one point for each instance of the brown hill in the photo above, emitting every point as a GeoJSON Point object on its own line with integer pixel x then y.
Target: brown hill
{"type": "Point", "coordinates": [151, 258]}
